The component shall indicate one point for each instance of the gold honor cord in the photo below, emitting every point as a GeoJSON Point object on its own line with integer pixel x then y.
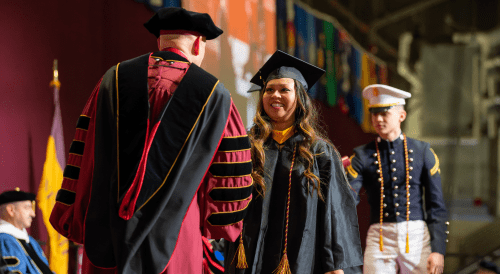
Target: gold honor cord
{"type": "Point", "coordinates": [284, 266]}
{"type": "Point", "coordinates": [407, 169]}
{"type": "Point", "coordinates": [381, 180]}
{"type": "Point", "coordinates": [382, 196]}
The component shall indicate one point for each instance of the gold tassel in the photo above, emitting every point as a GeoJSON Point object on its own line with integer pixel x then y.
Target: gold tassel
{"type": "Point", "coordinates": [381, 243]}
{"type": "Point", "coordinates": [284, 266]}
{"type": "Point", "coordinates": [242, 259]}
{"type": "Point", "coordinates": [407, 243]}
{"type": "Point", "coordinates": [240, 253]}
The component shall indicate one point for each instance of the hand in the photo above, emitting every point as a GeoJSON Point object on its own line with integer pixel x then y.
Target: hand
{"type": "Point", "coordinates": [340, 271]}
{"type": "Point", "coordinates": [435, 263]}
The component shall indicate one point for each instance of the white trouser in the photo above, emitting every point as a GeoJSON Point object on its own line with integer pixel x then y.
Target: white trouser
{"type": "Point", "coordinates": [394, 258]}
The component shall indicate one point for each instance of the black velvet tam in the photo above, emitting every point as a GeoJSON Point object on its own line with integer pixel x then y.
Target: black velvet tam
{"type": "Point", "coordinates": [282, 65]}
{"type": "Point", "coordinates": [174, 18]}
{"type": "Point", "coordinates": [16, 196]}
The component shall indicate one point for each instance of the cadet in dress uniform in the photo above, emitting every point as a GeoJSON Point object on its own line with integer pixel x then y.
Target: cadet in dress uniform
{"type": "Point", "coordinates": [20, 252]}
{"type": "Point", "coordinates": [401, 176]}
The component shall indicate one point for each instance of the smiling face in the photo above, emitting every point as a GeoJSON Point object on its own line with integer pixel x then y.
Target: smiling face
{"type": "Point", "coordinates": [279, 102]}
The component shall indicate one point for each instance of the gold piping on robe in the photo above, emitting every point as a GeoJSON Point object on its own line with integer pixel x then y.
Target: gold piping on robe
{"type": "Point", "coordinates": [226, 212]}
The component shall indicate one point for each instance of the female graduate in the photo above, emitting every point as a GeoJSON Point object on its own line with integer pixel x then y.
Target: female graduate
{"type": "Point", "coordinates": [303, 217]}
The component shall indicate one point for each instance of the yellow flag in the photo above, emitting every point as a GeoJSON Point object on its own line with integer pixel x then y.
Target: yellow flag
{"type": "Point", "coordinates": [52, 178]}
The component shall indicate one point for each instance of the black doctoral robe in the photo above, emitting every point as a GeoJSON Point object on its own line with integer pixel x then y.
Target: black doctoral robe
{"type": "Point", "coordinates": [198, 137]}
{"type": "Point", "coordinates": [323, 235]}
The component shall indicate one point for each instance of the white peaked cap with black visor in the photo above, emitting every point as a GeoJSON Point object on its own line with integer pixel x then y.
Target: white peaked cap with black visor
{"type": "Point", "coordinates": [381, 98]}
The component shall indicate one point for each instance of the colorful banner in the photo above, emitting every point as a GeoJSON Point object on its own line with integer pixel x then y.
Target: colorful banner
{"type": "Point", "coordinates": [52, 178]}
{"type": "Point", "coordinates": [356, 86]}
{"type": "Point", "coordinates": [300, 23]}
{"type": "Point", "coordinates": [249, 39]}
{"type": "Point", "coordinates": [319, 39]}
{"type": "Point", "coordinates": [281, 28]}
{"type": "Point", "coordinates": [330, 77]}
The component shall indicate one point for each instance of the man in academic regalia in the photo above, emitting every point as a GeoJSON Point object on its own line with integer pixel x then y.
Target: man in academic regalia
{"type": "Point", "coordinates": [160, 161]}
{"type": "Point", "coordinates": [20, 252]}
{"type": "Point", "coordinates": [402, 179]}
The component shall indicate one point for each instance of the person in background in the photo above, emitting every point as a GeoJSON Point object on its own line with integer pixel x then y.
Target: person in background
{"type": "Point", "coordinates": [20, 252]}
{"type": "Point", "coordinates": [407, 233]}
{"type": "Point", "coordinates": [160, 162]}
{"type": "Point", "coordinates": [303, 217]}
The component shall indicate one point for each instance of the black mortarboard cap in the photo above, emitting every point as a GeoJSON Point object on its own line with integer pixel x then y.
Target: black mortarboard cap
{"type": "Point", "coordinates": [283, 65]}
{"type": "Point", "coordinates": [16, 196]}
{"type": "Point", "coordinates": [174, 18]}
{"type": "Point", "coordinates": [254, 87]}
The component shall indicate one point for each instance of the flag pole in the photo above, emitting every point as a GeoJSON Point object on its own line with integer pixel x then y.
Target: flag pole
{"type": "Point", "coordinates": [52, 177]}
{"type": "Point", "coordinates": [55, 80]}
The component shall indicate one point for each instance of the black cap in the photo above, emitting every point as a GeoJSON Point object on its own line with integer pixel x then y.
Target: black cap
{"type": "Point", "coordinates": [254, 87]}
{"type": "Point", "coordinates": [283, 65]}
{"type": "Point", "coordinates": [16, 196]}
{"type": "Point", "coordinates": [174, 18]}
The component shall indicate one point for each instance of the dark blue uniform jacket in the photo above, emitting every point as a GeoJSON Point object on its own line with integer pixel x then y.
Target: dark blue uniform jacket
{"type": "Point", "coordinates": [426, 196]}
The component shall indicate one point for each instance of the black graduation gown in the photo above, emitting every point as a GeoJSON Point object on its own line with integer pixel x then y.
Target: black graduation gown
{"type": "Point", "coordinates": [323, 235]}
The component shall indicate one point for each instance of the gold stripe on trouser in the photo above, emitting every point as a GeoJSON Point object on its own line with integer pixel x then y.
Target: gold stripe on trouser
{"type": "Point", "coordinates": [394, 259]}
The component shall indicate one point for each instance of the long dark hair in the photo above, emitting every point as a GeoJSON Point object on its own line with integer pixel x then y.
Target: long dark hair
{"type": "Point", "coordinates": [306, 124]}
